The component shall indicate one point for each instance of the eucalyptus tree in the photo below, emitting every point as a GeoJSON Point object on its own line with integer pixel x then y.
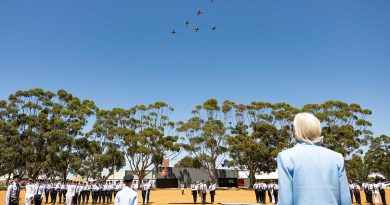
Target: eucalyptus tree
{"type": "Point", "coordinates": [259, 132]}
{"type": "Point", "coordinates": [11, 160]}
{"type": "Point", "coordinates": [356, 168]}
{"type": "Point", "coordinates": [103, 150]}
{"type": "Point", "coordinates": [189, 162]}
{"type": "Point", "coordinates": [377, 158]}
{"type": "Point", "coordinates": [345, 127]}
{"type": "Point", "coordinates": [142, 135]}
{"type": "Point", "coordinates": [32, 114]}
{"type": "Point", "coordinates": [68, 117]}
{"type": "Point", "coordinates": [43, 127]}
{"type": "Point", "coordinates": [205, 135]}
{"type": "Point", "coordinates": [152, 140]}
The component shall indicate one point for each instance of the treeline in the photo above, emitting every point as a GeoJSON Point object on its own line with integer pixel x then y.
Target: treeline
{"type": "Point", "coordinates": [46, 133]}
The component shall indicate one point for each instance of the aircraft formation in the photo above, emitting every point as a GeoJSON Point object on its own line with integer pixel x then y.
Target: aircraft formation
{"type": "Point", "coordinates": [196, 28]}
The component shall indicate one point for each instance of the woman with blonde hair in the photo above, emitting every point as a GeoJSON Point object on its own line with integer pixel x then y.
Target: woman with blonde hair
{"type": "Point", "coordinates": [310, 174]}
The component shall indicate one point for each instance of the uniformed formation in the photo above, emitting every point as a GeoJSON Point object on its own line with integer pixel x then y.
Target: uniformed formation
{"type": "Point", "coordinates": [196, 28]}
{"type": "Point", "coordinates": [200, 189]}
{"type": "Point", "coordinates": [70, 192]}
{"type": "Point", "coordinates": [77, 193]}
{"type": "Point", "coordinates": [261, 188]}
{"type": "Point", "coordinates": [371, 191]}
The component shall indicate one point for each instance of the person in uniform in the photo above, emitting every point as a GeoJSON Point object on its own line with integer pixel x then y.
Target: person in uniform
{"type": "Point", "coordinates": [199, 184]}
{"type": "Point", "coordinates": [365, 188]}
{"type": "Point", "coordinates": [376, 193]}
{"type": "Point", "coordinates": [381, 186]}
{"type": "Point", "coordinates": [271, 192]}
{"type": "Point", "coordinates": [194, 191]}
{"type": "Point", "coordinates": [70, 192]}
{"type": "Point", "coordinates": [104, 193]}
{"type": "Point", "coordinates": [149, 185]}
{"type": "Point", "coordinates": [13, 191]}
{"type": "Point", "coordinates": [212, 188]}
{"type": "Point", "coordinates": [256, 188]}
{"type": "Point", "coordinates": [62, 192]}
{"type": "Point", "coordinates": [110, 189]}
{"type": "Point", "coordinates": [127, 196]}
{"type": "Point", "coordinates": [77, 190]}
{"type": "Point", "coordinates": [81, 193]}
{"type": "Point", "coordinates": [133, 187]}
{"type": "Point", "coordinates": [276, 192]}
{"type": "Point", "coordinates": [370, 189]}
{"type": "Point", "coordinates": [117, 188]}
{"type": "Point", "coordinates": [57, 190]}
{"type": "Point", "coordinates": [97, 186]}
{"type": "Point", "coordinates": [198, 188]}
{"type": "Point", "coordinates": [29, 195]}
{"type": "Point", "coordinates": [101, 192]}
{"type": "Point", "coordinates": [47, 187]}
{"type": "Point", "coordinates": [53, 192]}
{"type": "Point", "coordinates": [95, 192]}
{"type": "Point", "coordinates": [145, 188]}
{"type": "Point", "coordinates": [356, 192]}
{"type": "Point", "coordinates": [87, 192]}
{"type": "Point", "coordinates": [203, 190]}
{"type": "Point", "coordinates": [351, 185]}
{"type": "Point", "coordinates": [39, 192]}
{"type": "Point", "coordinates": [263, 188]}
{"type": "Point", "coordinates": [182, 188]}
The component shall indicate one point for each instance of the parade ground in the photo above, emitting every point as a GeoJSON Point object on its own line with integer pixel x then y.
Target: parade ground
{"type": "Point", "coordinates": [173, 196]}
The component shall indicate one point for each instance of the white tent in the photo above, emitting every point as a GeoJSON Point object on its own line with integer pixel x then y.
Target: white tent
{"type": "Point", "coordinates": [376, 175]}
{"type": "Point", "coordinates": [262, 175]}
{"type": "Point", "coordinates": [272, 175]}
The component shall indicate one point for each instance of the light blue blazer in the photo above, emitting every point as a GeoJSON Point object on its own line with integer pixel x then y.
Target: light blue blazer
{"type": "Point", "coordinates": [312, 175]}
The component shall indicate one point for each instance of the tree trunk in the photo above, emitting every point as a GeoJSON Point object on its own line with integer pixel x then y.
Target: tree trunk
{"type": "Point", "coordinates": [64, 175]}
{"type": "Point", "coordinates": [214, 174]}
{"type": "Point", "coordinates": [35, 175]}
{"type": "Point", "coordinates": [141, 177]}
{"type": "Point", "coordinates": [252, 177]}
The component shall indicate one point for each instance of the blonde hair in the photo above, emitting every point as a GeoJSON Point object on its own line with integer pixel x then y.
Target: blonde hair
{"type": "Point", "coordinates": [307, 128]}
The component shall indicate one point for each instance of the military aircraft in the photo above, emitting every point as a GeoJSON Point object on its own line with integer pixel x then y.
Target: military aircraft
{"type": "Point", "coordinates": [197, 29]}
{"type": "Point", "coordinates": [214, 28]}
{"type": "Point", "coordinates": [173, 32]}
{"type": "Point", "coordinates": [187, 23]}
{"type": "Point", "coordinates": [199, 12]}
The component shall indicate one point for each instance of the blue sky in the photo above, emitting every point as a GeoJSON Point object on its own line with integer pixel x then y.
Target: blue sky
{"type": "Point", "coordinates": [120, 53]}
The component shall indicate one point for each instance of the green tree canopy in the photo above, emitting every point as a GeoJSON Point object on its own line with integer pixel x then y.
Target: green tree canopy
{"type": "Point", "coordinates": [205, 135]}
{"type": "Point", "coordinates": [259, 131]}
{"type": "Point", "coordinates": [356, 169]}
{"type": "Point", "coordinates": [11, 147]}
{"type": "Point", "coordinates": [377, 157]}
{"type": "Point", "coordinates": [344, 126]}
{"type": "Point", "coordinates": [189, 162]}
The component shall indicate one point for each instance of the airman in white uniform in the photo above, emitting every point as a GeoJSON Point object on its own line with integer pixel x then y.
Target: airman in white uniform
{"type": "Point", "coordinates": [127, 196]}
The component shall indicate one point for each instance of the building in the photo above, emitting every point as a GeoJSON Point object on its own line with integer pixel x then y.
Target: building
{"type": "Point", "coordinates": [173, 176]}
{"type": "Point", "coordinates": [243, 180]}
{"type": "Point", "coordinates": [150, 175]}
{"type": "Point", "coordinates": [117, 176]}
